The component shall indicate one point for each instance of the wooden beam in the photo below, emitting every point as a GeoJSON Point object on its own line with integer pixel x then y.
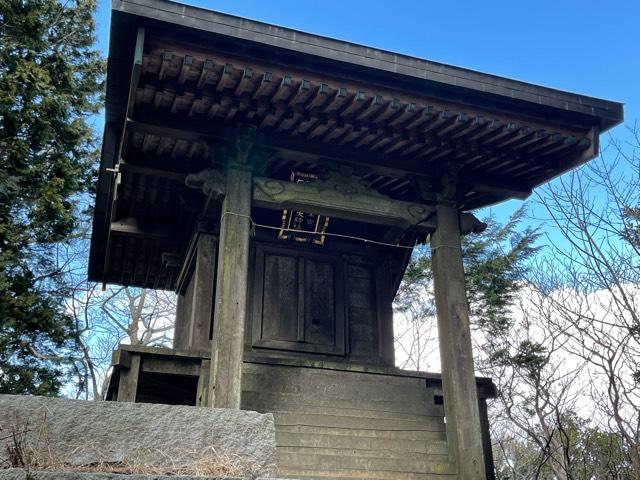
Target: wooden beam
{"type": "Point", "coordinates": [363, 205]}
{"type": "Point", "coordinates": [202, 390]}
{"type": "Point", "coordinates": [136, 71]}
{"type": "Point", "coordinates": [521, 193]}
{"type": "Point", "coordinates": [464, 434]}
{"type": "Point", "coordinates": [134, 227]}
{"type": "Point", "coordinates": [152, 172]}
{"type": "Point", "coordinates": [194, 131]}
{"type": "Point", "coordinates": [121, 358]}
{"type": "Point", "coordinates": [170, 366]}
{"type": "Point", "coordinates": [339, 195]}
{"type": "Point", "coordinates": [384, 299]}
{"type": "Point", "coordinates": [384, 147]}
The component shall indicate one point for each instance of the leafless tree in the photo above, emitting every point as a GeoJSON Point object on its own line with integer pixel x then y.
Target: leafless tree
{"type": "Point", "coordinates": [105, 318]}
{"type": "Point", "coordinates": [540, 388]}
{"type": "Point", "coordinates": [117, 315]}
{"type": "Point", "coordinates": [592, 281]}
{"type": "Point", "coordinates": [416, 336]}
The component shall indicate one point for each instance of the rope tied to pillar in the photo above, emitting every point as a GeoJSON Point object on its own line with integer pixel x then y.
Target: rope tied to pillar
{"type": "Point", "coordinates": [255, 225]}
{"type": "Point", "coordinates": [437, 247]}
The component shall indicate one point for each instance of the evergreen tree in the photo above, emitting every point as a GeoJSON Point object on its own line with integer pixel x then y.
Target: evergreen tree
{"type": "Point", "coordinates": [495, 263]}
{"type": "Point", "coordinates": [51, 81]}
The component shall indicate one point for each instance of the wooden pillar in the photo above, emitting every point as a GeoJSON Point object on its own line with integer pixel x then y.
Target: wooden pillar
{"type": "Point", "coordinates": [202, 391]}
{"type": "Point", "coordinates": [202, 297]}
{"type": "Point", "coordinates": [464, 435]}
{"type": "Point", "coordinates": [181, 326]}
{"type": "Point", "coordinates": [486, 439]}
{"type": "Point", "coordinates": [128, 384]}
{"type": "Point", "coordinates": [385, 314]}
{"type": "Point", "coordinates": [231, 289]}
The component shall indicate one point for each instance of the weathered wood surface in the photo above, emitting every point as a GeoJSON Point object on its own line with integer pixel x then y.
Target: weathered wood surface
{"type": "Point", "coordinates": [128, 385]}
{"type": "Point", "coordinates": [203, 292]}
{"type": "Point", "coordinates": [298, 302]}
{"type": "Point", "coordinates": [340, 424]}
{"type": "Point", "coordinates": [202, 393]}
{"type": "Point", "coordinates": [169, 366]}
{"type": "Point", "coordinates": [340, 195]}
{"type": "Point", "coordinates": [458, 380]}
{"type": "Point", "coordinates": [181, 326]}
{"type": "Point", "coordinates": [194, 314]}
{"type": "Point", "coordinates": [322, 303]}
{"type": "Point", "coordinates": [231, 292]}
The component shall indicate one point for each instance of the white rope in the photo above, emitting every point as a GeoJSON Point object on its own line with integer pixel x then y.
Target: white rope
{"type": "Point", "coordinates": [453, 247]}
{"type": "Point", "coordinates": [295, 230]}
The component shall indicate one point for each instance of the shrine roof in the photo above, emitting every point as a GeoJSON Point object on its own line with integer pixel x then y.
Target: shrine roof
{"type": "Point", "coordinates": [182, 79]}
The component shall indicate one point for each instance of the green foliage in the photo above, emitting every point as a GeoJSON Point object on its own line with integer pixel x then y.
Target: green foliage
{"type": "Point", "coordinates": [50, 82]}
{"type": "Point", "coordinates": [529, 358]}
{"type": "Point", "coordinates": [495, 262]}
{"type": "Point", "coordinates": [495, 265]}
{"type": "Point", "coordinates": [414, 292]}
{"type": "Point", "coordinates": [631, 230]}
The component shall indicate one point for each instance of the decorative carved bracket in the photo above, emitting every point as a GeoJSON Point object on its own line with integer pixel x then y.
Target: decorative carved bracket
{"type": "Point", "coordinates": [213, 183]}
{"type": "Point", "coordinates": [340, 195]}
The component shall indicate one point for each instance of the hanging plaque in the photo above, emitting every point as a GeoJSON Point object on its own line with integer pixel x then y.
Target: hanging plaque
{"type": "Point", "coordinates": [301, 226]}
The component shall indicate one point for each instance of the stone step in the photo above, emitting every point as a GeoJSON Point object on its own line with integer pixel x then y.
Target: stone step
{"type": "Point", "coordinates": [383, 453]}
{"type": "Point", "coordinates": [307, 474]}
{"type": "Point", "coordinates": [423, 435]}
{"type": "Point", "coordinates": [343, 463]}
{"type": "Point", "coordinates": [394, 408]}
{"type": "Point", "coordinates": [373, 444]}
{"type": "Point", "coordinates": [354, 422]}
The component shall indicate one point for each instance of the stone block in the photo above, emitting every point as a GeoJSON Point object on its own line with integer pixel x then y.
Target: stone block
{"type": "Point", "coordinates": [20, 474]}
{"type": "Point", "coordinates": [79, 433]}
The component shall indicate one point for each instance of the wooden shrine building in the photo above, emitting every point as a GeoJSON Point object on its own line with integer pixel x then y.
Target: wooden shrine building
{"type": "Point", "coordinates": [277, 181]}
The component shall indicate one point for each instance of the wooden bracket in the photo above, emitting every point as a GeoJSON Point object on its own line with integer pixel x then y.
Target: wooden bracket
{"type": "Point", "coordinates": [469, 223]}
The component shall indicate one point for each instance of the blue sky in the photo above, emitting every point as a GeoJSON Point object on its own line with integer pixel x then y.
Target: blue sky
{"type": "Point", "coordinates": [583, 46]}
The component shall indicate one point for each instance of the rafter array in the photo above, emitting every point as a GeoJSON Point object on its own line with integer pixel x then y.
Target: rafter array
{"type": "Point", "coordinates": [224, 91]}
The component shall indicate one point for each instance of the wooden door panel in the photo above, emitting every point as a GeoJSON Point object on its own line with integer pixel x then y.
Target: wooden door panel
{"type": "Point", "coordinates": [280, 298]}
{"type": "Point", "coordinates": [298, 301]}
{"type": "Point", "coordinates": [319, 302]}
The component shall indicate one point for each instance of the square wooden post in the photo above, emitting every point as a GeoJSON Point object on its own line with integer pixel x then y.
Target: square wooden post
{"type": "Point", "coordinates": [464, 434]}
{"type": "Point", "coordinates": [128, 384]}
{"type": "Point", "coordinates": [181, 327]}
{"type": "Point", "coordinates": [231, 289]}
{"type": "Point", "coordinates": [202, 300]}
